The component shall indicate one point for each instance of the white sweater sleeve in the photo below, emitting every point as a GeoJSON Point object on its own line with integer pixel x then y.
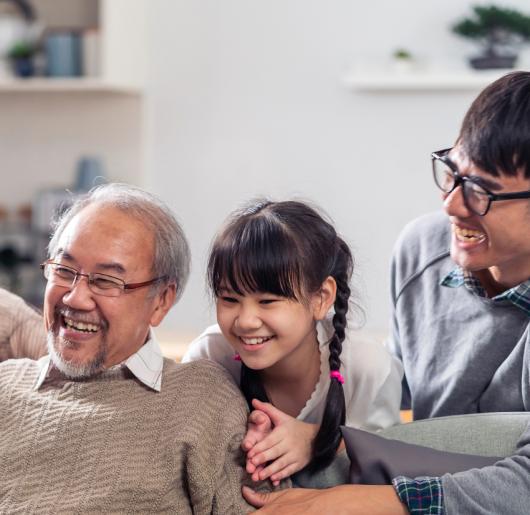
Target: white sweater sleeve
{"type": "Point", "coordinates": [373, 386]}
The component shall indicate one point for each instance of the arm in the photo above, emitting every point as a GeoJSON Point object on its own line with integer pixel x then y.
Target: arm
{"type": "Point", "coordinates": [288, 447]}
{"type": "Point", "coordinates": [22, 333]}
{"type": "Point", "coordinates": [215, 463]}
{"type": "Point", "coordinates": [500, 488]}
{"type": "Point", "coordinates": [344, 499]}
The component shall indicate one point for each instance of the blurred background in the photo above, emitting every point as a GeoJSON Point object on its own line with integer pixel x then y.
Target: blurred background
{"type": "Point", "coordinates": [209, 103]}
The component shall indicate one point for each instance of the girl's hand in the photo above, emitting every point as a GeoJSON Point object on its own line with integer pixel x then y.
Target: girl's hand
{"type": "Point", "coordinates": [288, 447]}
{"type": "Point", "coordinates": [258, 427]}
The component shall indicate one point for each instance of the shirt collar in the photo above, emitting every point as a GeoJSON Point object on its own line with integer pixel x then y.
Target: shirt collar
{"type": "Point", "coordinates": [145, 364]}
{"type": "Point", "coordinates": [518, 295]}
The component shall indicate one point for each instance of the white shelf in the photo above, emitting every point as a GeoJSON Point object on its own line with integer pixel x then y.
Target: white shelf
{"type": "Point", "coordinates": [66, 85]}
{"type": "Point", "coordinates": [428, 80]}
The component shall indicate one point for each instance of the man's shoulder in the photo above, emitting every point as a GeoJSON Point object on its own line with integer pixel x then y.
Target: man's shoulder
{"type": "Point", "coordinates": [423, 243]}
{"type": "Point", "coordinates": [430, 233]}
{"type": "Point", "coordinates": [201, 373]}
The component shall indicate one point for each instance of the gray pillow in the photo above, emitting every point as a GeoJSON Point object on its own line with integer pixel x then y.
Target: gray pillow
{"type": "Point", "coordinates": [376, 460]}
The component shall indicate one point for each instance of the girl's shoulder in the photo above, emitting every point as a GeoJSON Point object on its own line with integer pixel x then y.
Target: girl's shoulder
{"type": "Point", "coordinates": [362, 354]}
{"type": "Point", "coordinates": [212, 345]}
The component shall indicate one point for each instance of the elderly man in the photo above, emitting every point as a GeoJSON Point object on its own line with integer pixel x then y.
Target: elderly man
{"type": "Point", "coordinates": [461, 293]}
{"type": "Point", "coordinates": [105, 424]}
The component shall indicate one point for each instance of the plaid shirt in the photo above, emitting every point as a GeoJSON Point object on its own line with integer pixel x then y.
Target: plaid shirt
{"type": "Point", "coordinates": [518, 295]}
{"type": "Point", "coordinates": [422, 495]}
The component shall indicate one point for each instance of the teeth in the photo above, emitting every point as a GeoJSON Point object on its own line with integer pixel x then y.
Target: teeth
{"type": "Point", "coordinates": [468, 234]}
{"type": "Point", "coordinates": [256, 340]}
{"type": "Point", "coordinates": [80, 326]}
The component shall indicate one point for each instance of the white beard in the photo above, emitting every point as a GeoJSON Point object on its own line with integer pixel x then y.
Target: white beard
{"type": "Point", "coordinates": [75, 371]}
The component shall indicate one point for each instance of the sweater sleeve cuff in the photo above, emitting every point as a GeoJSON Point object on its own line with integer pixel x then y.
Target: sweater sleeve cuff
{"type": "Point", "coordinates": [421, 496]}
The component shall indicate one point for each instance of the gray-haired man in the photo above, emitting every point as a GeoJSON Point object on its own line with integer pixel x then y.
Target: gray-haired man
{"type": "Point", "coordinates": [105, 424]}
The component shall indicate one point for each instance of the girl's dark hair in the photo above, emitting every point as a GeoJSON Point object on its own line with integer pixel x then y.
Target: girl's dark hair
{"type": "Point", "coordinates": [287, 249]}
{"type": "Point", "coordinates": [495, 133]}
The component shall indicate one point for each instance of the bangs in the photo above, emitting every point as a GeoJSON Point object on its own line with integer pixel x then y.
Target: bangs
{"type": "Point", "coordinates": [257, 255]}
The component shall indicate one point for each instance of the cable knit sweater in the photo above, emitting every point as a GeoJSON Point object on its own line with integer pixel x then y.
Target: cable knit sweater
{"type": "Point", "coordinates": [22, 332]}
{"type": "Point", "coordinates": [111, 445]}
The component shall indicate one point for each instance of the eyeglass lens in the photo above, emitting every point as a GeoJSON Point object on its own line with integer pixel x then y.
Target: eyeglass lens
{"type": "Point", "coordinates": [475, 196]}
{"type": "Point", "coordinates": [98, 283]}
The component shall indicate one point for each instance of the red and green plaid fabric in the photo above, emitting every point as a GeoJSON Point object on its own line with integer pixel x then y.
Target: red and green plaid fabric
{"type": "Point", "coordinates": [422, 495]}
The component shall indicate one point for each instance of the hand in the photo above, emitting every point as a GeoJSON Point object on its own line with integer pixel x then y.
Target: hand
{"type": "Point", "coordinates": [288, 447]}
{"type": "Point", "coordinates": [344, 499]}
{"type": "Point", "coordinates": [259, 426]}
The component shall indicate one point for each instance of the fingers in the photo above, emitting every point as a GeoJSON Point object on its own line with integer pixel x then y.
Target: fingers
{"type": "Point", "coordinates": [279, 469]}
{"type": "Point", "coordinates": [259, 425]}
{"type": "Point", "coordinates": [275, 414]}
{"type": "Point", "coordinates": [268, 449]}
{"type": "Point", "coordinates": [258, 499]}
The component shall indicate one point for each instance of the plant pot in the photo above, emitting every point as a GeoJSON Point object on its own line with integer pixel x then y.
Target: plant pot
{"type": "Point", "coordinates": [23, 67]}
{"type": "Point", "coordinates": [493, 62]}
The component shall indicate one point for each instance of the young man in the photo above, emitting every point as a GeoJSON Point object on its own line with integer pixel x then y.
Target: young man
{"type": "Point", "coordinates": [461, 293]}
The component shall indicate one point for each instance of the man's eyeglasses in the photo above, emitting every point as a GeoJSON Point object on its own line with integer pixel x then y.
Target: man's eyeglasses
{"type": "Point", "coordinates": [100, 284]}
{"type": "Point", "coordinates": [477, 198]}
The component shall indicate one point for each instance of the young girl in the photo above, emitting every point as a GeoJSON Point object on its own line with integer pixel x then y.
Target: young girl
{"type": "Point", "coordinates": [280, 275]}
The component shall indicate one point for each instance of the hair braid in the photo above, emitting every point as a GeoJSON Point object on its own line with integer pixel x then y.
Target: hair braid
{"type": "Point", "coordinates": [328, 437]}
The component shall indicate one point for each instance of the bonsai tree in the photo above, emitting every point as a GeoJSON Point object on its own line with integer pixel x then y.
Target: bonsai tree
{"type": "Point", "coordinates": [500, 30]}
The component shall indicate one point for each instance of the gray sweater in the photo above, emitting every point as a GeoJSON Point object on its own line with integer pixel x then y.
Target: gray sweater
{"type": "Point", "coordinates": [461, 354]}
{"type": "Point", "coordinates": [112, 445]}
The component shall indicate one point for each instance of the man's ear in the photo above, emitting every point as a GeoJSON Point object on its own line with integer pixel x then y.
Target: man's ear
{"type": "Point", "coordinates": [164, 301]}
{"type": "Point", "coordinates": [324, 298]}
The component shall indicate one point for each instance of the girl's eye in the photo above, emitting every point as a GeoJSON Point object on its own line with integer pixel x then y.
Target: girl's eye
{"type": "Point", "coordinates": [268, 301]}
{"type": "Point", "coordinates": [230, 300]}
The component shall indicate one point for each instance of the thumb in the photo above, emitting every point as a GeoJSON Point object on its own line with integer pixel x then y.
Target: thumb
{"type": "Point", "coordinates": [258, 499]}
{"type": "Point", "coordinates": [258, 418]}
{"type": "Point", "coordinates": [274, 414]}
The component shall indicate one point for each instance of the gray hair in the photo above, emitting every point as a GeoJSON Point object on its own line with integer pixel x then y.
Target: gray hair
{"type": "Point", "coordinates": [172, 253]}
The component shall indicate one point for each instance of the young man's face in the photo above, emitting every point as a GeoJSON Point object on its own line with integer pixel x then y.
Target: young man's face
{"type": "Point", "coordinates": [499, 241]}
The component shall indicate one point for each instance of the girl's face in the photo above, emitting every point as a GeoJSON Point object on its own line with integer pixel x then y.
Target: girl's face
{"type": "Point", "coordinates": [265, 329]}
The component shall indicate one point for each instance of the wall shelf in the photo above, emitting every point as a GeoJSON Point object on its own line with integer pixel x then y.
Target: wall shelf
{"type": "Point", "coordinates": [428, 80]}
{"type": "Point", "coordinates": [67, 85]}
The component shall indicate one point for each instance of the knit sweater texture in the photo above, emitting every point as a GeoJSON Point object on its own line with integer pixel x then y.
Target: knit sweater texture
{"type": "Point", "coordinates": [110, 444]}
{"type": "Point", "coordinates": [22, 332]}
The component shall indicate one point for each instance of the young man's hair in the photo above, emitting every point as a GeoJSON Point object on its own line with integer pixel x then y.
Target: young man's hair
{"type": "Point", "coordinates": [495, 133]}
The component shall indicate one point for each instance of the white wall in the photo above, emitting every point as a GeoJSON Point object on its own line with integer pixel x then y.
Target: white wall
{"type": "Point", "coordinates": [246, 98]}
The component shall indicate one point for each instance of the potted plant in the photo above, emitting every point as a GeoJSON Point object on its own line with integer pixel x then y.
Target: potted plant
{"type": "Point", "coordinates": [500, 30]}
{"type": "Point", "coordinates": [402, 60]}
{"type": "Point", "coordinates": [21, 56]}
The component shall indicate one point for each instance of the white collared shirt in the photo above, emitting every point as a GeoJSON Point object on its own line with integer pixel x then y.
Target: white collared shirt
{"type": "Point", "coordinates": [145, 364]}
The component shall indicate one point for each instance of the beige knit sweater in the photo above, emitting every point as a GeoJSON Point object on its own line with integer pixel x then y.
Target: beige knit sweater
{"type": "Point", "coordinates": [112, 445]}
{"type": "Point", "coordinates": [22, 332]}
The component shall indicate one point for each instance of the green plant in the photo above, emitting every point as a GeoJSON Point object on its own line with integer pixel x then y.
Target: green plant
{"type": "Point", "coordinates": [401, 53]}
{"type": "Point", "coordinates": [21, 50]}
{"type": "Point", "coordinates": [496, 27]}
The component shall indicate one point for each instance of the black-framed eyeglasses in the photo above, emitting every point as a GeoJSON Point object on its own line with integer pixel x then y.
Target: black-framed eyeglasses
{"type": "Point", "coordinates": [100, 284]}
{"type": "Point", "coordinates": [477, 198]}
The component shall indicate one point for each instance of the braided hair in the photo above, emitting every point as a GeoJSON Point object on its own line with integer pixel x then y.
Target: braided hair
{"type": "Point", "coordinates": [287, 249]}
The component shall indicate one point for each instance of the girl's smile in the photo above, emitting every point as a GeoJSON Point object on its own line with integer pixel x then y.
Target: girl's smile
{"type": "Point", "coordinates": [266, 330]}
